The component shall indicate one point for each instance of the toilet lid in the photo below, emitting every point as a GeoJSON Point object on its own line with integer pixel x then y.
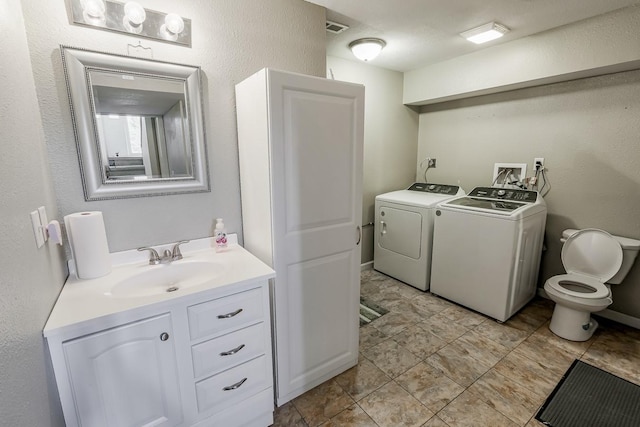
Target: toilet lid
{"type": "Point", "coordinates": [592, 252]}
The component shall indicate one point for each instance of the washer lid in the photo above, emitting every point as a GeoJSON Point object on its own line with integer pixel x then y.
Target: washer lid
{"type": "Point", "coordinates": [417, 198]}
{"type": "Point", "coordinates": [593, 253]}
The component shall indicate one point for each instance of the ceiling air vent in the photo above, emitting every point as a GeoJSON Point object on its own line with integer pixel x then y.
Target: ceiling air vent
{"type": "Point", "coordinates": [335, 28]}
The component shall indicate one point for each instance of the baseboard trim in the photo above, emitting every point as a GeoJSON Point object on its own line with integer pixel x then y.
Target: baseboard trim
{"type": "Point", "coordinates": [616, 316]}
{"type": "Point", "coordinates": [366, 266]}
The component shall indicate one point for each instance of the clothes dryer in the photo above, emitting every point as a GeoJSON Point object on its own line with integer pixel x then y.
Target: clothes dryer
{"type": "Point", "coordinates": [487, 249]}
{"type": "Point", "coordinates": [404, 231]}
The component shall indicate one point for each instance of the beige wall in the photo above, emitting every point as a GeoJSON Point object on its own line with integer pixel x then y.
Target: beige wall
{"type": "Point", "coordinates": [30, 278]}
{"type": "Point", "coordinates": [231, 40]}
{"type": "Point", "coordinates": [587, 131]}
{"type": "Point", "coordinates": [604, 44]}
{"type": "Point", "coordinates": [390, 136]}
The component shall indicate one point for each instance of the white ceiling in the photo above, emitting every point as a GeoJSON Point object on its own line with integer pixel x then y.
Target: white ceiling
{"type": "Point", "coordinates": [423, 32]}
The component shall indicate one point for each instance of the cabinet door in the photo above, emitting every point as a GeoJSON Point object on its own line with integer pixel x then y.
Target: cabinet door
{"type": "Point", "coordinates": [316, 131]}
{"type": "Point", "coordinates": [126, 376]}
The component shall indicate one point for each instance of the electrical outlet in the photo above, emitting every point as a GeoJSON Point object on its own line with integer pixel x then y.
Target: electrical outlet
{"type": "Point", "coordinates": [538, 161]}
{"type": "Point", "coordinates": [431, 162]}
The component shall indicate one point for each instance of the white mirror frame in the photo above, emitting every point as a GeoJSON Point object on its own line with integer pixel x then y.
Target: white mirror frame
{"type": "Point", "coordinates": [77, 63]}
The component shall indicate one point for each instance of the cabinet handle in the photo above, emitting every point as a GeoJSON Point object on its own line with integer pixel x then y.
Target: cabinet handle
{"type": "Point", "coordinates": [234, 351]}
{"type": "Point", "coordinates": [164, 336]}
{"type": "Point", "coordinates": [359, 230]}
{"type": "Point", "coordinates": [234, 386]}
{"type": "Point", "coordinates": [228, 315]}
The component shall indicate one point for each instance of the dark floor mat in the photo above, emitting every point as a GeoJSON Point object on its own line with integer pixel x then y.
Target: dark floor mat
{"type": "Point", "coordinates": [370, 311]}
{"type": "Point", "coordinates": [587, 396]}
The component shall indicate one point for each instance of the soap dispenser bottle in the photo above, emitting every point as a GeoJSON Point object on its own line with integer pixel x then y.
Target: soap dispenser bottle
{"type": "Point", "coordinates": [220, 235]}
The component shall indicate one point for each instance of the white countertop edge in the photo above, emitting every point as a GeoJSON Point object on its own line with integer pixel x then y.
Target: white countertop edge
{"type": "Point", "coordinates": [82, 303]}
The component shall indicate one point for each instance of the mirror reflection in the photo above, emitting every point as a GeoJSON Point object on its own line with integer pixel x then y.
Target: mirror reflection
{"type": "Point", "coordinates": [143, 133]}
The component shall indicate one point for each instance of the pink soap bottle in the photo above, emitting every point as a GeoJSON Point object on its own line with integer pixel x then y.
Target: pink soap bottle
{"type": "Point", "coordinates": [220, 235]}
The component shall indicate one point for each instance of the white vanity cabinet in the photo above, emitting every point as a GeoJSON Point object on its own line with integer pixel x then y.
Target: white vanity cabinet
{"type": "Point", "coordinates": [199, 359]}
{"type": "Point", "coordinates": [126, 376]}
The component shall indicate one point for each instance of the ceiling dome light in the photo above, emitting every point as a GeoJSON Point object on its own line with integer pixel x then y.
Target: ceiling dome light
{"type": "Point", "coordinates": [485, 33]}
{"type": "Point", "coordinates": [367, 49]}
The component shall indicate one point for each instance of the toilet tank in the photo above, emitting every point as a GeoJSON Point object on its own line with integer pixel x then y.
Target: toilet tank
{"type": "Point", "coordinates": [630, 249]}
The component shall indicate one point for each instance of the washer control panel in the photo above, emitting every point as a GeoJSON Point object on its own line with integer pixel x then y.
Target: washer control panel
{"type": "Point", "coordinates": [434, 188]}
{"type": "Point", "coordinates": [525, 196]}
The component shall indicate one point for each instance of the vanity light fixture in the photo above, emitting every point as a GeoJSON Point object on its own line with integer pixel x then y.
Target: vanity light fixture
{"type": "Point", "coordinates": [485, 33]}
{"type": "Point", "coordinates": [367, 49]}
{"type": "Point", "coordinates": [131, 18]}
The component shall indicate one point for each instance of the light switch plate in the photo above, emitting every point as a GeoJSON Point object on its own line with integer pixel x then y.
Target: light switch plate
{"type": "Point", "coordinates": [44, 221]}
{"type": "Point", "coordinates": [37, 228]}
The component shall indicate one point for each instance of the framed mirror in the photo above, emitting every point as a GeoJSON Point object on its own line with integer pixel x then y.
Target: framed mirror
{"type": "Point", "coordinates": [138, 125]}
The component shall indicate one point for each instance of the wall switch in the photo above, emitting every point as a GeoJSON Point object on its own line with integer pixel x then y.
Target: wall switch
{"type": "Point", "coordinates": [44, 221]}
{"type": "Point", "coordinates": [37, 229]}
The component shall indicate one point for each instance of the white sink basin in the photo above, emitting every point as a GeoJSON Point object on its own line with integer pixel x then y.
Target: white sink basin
{"type": "Point", "coordinates": [163, 278]}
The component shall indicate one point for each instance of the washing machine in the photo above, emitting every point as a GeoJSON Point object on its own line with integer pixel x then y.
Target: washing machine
{"type": "Point", "coordinates": [487, 249]}
{"type": "Point", "coordinates": [404, 231]}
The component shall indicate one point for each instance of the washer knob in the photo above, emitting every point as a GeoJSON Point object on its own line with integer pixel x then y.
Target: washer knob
{"type": "Point", "coordinates": [432, 186]}
{"type": "Point", "coordinates": [501, 192]}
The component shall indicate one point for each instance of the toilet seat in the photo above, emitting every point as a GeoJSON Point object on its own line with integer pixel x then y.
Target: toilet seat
{"type": "Point", "coordinates": [597, 288]}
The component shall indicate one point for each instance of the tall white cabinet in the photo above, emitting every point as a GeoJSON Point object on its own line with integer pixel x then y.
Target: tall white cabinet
{"type": "Point", "coordinates": [300, 147]}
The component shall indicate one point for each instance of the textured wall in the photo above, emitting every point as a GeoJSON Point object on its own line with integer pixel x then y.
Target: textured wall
{"type": "Point", "coordinates": [607, 43]}
{"type": "Point", "coordinates": [587, 131]}
{"type": "Point", "coordinates": [231, 40]}
{"type": "Point", "coordinates": [30, 278]}
{"type": "Point", "coordinates": [390, 136]}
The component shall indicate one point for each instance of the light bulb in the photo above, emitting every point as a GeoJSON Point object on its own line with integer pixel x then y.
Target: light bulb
{"type": "Point", "coordinates": [93, 8]}
{"type": "Point", "coordinates": [135, 13]}
{"type": "Point", "coordinates": [174, 23]}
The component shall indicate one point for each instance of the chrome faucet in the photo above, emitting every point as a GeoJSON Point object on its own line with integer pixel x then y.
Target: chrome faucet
{"type": "Point", "coordinates": [167, 256]}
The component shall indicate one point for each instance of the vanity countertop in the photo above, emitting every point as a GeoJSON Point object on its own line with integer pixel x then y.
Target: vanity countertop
{"type": "Point", "coordinates": [82, 301]}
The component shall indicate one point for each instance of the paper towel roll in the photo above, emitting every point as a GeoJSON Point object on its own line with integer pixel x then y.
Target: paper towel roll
{"type": "Point", "coordinates": [89, 247]}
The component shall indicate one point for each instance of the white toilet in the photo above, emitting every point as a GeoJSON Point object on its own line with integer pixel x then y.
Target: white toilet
{"type": "Point", "coordinates": [591, 257]}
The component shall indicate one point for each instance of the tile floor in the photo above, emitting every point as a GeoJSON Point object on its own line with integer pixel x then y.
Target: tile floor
{"type": "Point", "coordinates": [431, 363]}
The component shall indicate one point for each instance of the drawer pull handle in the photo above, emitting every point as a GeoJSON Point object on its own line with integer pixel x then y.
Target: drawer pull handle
{"type": "Point", "coordinates": [229, 315]}
{"type": "Point", "coordinates": [234, 351]}
{"type": "Point", "coordinates": [234, 386]}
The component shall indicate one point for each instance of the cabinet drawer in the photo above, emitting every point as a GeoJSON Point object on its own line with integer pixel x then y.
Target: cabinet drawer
{"type": "Point", "coordinates": [228, 350]}
{"type": "Point", "coordinates": [225, 314]}
{"type": "Point", "coordinates": [231, 386]}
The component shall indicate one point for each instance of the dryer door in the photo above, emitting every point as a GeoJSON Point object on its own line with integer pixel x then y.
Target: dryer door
{"type": "Point", "coordinates": [400, 231]}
